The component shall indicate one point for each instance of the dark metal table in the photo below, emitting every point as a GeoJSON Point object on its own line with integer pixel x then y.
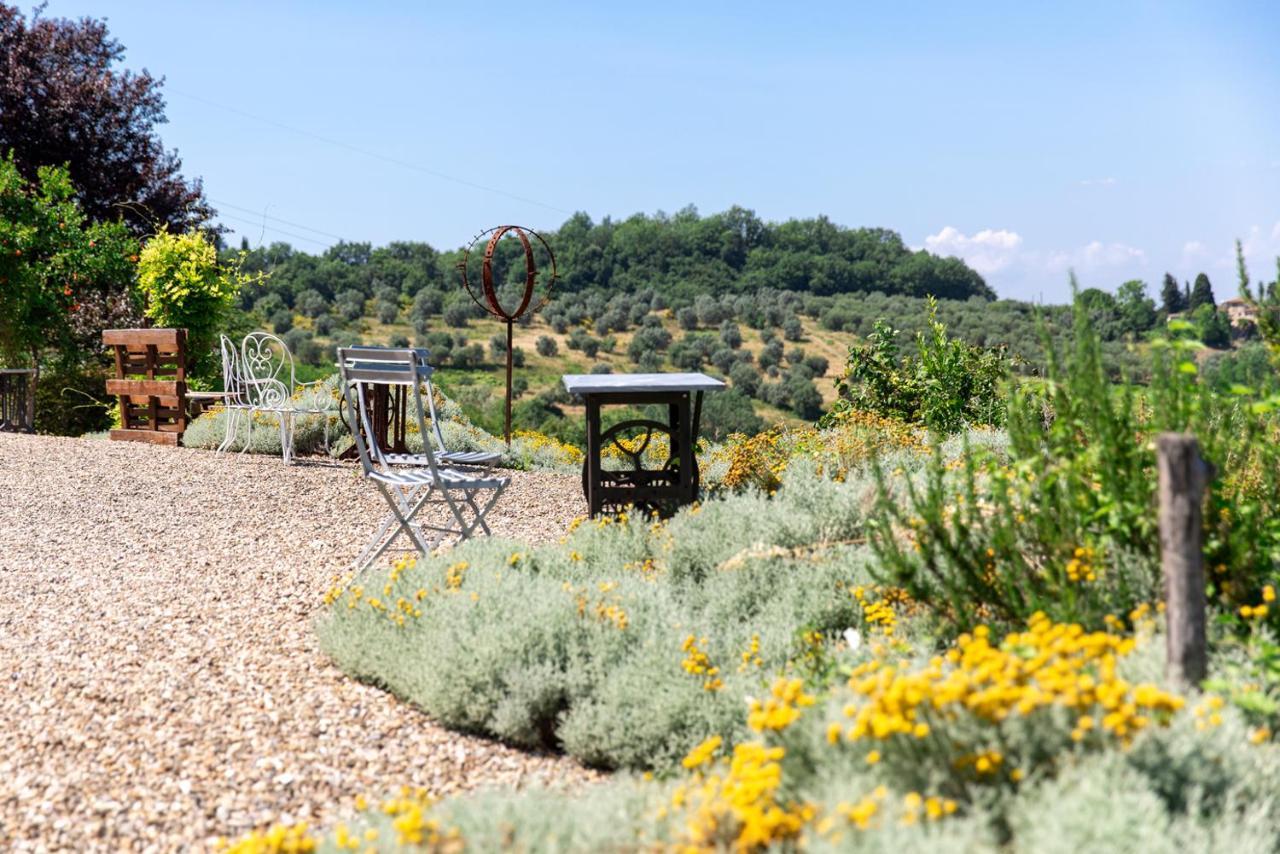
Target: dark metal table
{"type": "Point", "coordinates": [663, 490]}
{"type": "Point", "coordinates": [388, 413]}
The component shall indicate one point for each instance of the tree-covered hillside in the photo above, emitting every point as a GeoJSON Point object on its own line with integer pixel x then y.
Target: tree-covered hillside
{"type": "Point", "coordinates": [680, 257]}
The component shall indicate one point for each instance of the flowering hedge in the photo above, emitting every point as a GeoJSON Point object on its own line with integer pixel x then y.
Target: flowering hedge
{"type": "Point", "coordinates": [982, 747]}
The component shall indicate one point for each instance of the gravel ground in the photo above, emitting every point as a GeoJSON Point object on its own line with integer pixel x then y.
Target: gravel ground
{"type": "Point", "coordinates": [164, 686]}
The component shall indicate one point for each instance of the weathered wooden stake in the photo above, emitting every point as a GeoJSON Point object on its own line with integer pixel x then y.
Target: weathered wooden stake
{"type": "Point", "coordinates": [1183, 477]}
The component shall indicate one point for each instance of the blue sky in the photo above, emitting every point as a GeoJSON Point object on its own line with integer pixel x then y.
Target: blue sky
{"type": "Point", "coordinates": [1117, 139]}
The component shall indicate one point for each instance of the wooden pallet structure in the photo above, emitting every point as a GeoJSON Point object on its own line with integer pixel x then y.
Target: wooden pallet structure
{"type": "Point", "coordinates": [151, 382]}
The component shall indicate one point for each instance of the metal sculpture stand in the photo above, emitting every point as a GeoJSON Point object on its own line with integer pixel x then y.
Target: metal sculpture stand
{"type": "Point", "coordinates": [491, 305]}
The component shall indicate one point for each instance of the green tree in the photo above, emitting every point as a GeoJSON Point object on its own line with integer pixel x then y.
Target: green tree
{"type": "Point", "coordinates": [728, 412]}
{"type": "Point", "coordinates": [1266, 305]}
{"type": "Point", "coordinates": [1171, 296]}
{"type": "Point", "coordinates": [52, 262]}
{"type": "Point", "coordinates": [1137, 311]}
{"type": "Point", "coordinates": [1201, 293]}
{"type": "Point", "coordinates": [184, 286]}
{"type": "Point", "coordinates": [1212, 327]}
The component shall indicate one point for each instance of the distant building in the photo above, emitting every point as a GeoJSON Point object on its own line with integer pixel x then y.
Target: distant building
{"type": "Point", "coordinates": [1239, 311]}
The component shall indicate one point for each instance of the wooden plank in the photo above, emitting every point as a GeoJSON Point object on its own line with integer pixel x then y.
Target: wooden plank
{"type": "Point", "coordinates": [167, 338]}
{"type": "Point", "coordinates": [143, 401]}
{"type": "Point", "coordinates": [144, 388]}
{"type": "Point", "coordinates": [150, 437]}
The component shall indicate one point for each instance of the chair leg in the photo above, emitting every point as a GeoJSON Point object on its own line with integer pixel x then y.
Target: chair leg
{"type": "Point", "coordinates": [286, 436]}
{"type": "Point", "coordinates": [248, 440]}
{"type": "Point", "coordinates": [406, 526]}
{"type": "Point", "coordinates": [232, 417]}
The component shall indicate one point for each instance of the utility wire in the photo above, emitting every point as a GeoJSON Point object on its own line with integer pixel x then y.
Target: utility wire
{"type": "Point", "coordinates": [276, 219]}
{"type": "Point", "coordinates": [260, 224]}
{"type": "Point", "coordinates": [367, 153]}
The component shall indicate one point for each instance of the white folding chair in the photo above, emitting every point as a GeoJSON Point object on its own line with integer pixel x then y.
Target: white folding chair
{"type": "Point", "coordinates": [408, 490]}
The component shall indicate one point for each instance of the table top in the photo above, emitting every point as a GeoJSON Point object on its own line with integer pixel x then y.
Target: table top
{"type": "Point", "coordinates": [624, 383]}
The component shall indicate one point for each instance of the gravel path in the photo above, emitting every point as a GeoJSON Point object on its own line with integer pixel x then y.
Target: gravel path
{"type": "Point", "coordinates": [161, 682]}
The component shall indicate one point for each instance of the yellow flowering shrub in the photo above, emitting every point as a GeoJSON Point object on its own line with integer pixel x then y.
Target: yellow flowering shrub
{"type": "Point", "coordinates": [962, 709]}
{"type": "Point", "coordinates": [540, 444]}
{"type": "Point", "coordinates": [737, 805]}
{"type": "Point", "coordinates": [277, 839]}
{"type": "Point", "coordinates": [853, 440]}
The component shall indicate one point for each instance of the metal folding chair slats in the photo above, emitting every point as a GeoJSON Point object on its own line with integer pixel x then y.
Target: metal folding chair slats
{"type": "Point", "coordinates": [418, 477]}
{"type": "Point", "coordinates": [457, 458]}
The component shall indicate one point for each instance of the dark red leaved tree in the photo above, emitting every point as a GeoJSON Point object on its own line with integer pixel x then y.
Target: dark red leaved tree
{"type": "Point", "coordinates": [64, 100]}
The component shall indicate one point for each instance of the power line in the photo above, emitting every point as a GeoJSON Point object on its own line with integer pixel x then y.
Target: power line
{"type": "Point", "coordinates": [264, 215]}
{"type": "Point", "coordinates": [273, 228]}
{"type": "Point", "coordinates": [367, 153]}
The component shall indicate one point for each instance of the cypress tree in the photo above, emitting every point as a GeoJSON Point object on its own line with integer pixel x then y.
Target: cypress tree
{"type": "Point", "coordinates": [1171, 296]}
{"type": "Point", "coordinates": [1202, 293]}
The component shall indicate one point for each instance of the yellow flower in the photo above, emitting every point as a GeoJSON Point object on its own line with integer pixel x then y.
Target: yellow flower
{"type": "Point", "coordinates": [703, 753]}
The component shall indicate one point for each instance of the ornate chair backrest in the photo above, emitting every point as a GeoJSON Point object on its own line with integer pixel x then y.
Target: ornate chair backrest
{"type": "Point", "coordinates": [361, 368]}
{"type": "Point", "coordinates": [232, 375]}
{"type": "Point", "coordinates": [267, 368]}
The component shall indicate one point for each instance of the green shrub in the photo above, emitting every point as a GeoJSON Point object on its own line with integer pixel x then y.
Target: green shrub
{"type": "Point", "coordinates": [948, 384]}
{"type": "Point", "coordinates": [183, 285]}
{"type": "Point", "coordinates": [1064, 520]}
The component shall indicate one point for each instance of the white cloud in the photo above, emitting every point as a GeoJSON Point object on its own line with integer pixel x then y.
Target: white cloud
{"type": "Point", "coordinates": [1099, 182]}
{"type": "Point", "coordinates": [1016, 270]}
{"type": "Point", "coordinates": [1094, 256]}
{"type": "Point", "coordinates": [988, 251]}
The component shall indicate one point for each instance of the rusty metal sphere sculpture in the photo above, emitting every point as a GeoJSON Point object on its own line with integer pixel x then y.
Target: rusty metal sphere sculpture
{"type": "Point", "coordinates": [490, 303]}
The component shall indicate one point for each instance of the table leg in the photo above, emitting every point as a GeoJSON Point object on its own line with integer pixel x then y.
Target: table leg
{"type": "Point", "coordinates": [685, 427]}
{"type": "Point", "coordinates": [593, 456]}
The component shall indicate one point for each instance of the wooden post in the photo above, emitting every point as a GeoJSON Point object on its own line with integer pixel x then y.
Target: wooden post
{"type": "Point", "coordinates": [1183, 477]}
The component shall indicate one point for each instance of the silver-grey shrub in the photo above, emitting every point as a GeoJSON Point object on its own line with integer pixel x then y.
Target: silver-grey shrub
{"type": "Point", "coordinates": [523, 644]}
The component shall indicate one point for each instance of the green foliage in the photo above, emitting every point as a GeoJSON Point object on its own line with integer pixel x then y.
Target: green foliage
{"type": "Point", "coordinates": [727, 412]}
{"type": "Point", "coordinates": [1063, 520]}
{"type": "Point", "coordinates": [945, 386]}
{"type": "Point", "coordinates": [1137, 311]}
{"type": "Point", "coordinates": [54, 264]}
{"type": "Point", "coordinates": [1249, 366]}
{"type": "Point", "coordinates": [1201, 293]}
{"type": "Point", "coordinates": [1172, 300]}
{"type": "Point", "coordinates": [1266, 305]}
{"type": "Point", "coordinates": [1212, 327]}
{"type": "Point", "coordinates": [183, 285]}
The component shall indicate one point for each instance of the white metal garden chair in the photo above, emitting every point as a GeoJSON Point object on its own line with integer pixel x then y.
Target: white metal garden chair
{"type": "Point", "coordinates": [270, 385]}
{"type": "Point", "coordinates": [467, 495]}
{"type": "Point", "coordinates": [233, 398]}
